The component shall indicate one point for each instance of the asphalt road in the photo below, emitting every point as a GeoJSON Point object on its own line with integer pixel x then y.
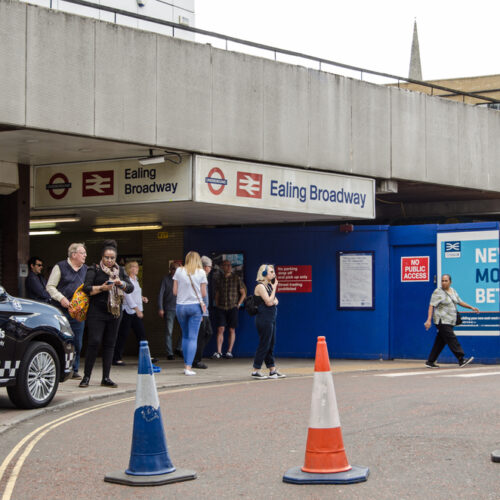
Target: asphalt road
{"type": "Point", "coordinates": [423, 434]}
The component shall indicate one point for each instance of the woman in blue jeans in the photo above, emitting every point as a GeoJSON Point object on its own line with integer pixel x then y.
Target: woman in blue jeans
{"type": "Point", "coordinates": [265, 321]}
{"type": "Point", "coordinates": [190, 286]}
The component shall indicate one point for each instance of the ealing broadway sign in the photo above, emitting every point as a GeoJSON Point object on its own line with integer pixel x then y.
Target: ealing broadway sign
{"type": "Point", "coordinates": [243, 184]}
{"type": "Point", "coordinates": [110, 183]}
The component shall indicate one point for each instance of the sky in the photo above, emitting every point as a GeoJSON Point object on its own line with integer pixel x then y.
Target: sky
{"type": "Point", "coordinates": [456, 39]}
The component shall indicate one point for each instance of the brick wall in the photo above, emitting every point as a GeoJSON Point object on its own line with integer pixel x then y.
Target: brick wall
{"type": "Point", "coordinates": [156, 254]}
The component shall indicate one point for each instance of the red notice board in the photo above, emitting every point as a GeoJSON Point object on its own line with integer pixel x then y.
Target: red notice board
{"type": "Point", "coordinates": [414, 269]}
{"type": "Point", "coordinates": [294, 279]}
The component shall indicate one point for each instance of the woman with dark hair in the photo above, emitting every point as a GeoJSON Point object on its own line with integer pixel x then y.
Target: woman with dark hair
{"type": "Point", "coordinates": [105, 283]}
{"type": "Point", "coordinates": [443, 309]}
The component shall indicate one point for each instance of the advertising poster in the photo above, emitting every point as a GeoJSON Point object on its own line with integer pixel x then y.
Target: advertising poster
{"type": "Point", "coordinates": [472, 260]}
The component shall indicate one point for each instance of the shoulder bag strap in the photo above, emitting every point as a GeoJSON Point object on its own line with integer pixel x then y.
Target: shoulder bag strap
{"type": "Point", "coordinates": [202, 304]}
{"type": "Point", "coordinates": [451, 298]}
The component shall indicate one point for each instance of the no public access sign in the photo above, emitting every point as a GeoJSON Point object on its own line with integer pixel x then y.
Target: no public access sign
{"type": "Point", "coordinates": [414, 269]}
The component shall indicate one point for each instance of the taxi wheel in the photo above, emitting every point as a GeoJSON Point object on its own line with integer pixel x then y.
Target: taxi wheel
{"type": "Point", "coordinates": [38, 377]}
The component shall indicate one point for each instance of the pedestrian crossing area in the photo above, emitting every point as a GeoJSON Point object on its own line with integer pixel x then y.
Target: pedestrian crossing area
{"type": "Point", "coordinates": [446, 372]}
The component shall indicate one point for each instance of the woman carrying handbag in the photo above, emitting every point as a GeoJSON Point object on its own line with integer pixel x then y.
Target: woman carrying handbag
{"type": "Point", "coordinates": [190, 286]}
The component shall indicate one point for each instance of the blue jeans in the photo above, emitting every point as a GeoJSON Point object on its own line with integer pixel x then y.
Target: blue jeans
{"type": "Point", "coordinates": [169, 329]}
{"type": "Point", "coordinates": [77, 327]}
{"type": "Point", "coordinates": [189, 317]}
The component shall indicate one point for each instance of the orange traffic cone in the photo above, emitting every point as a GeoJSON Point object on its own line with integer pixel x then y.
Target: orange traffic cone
{"type": "Point", "coordinates": [325, 461]}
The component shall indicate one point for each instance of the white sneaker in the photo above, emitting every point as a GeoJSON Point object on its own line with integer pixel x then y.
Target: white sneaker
{"type": "Point", "coordinates": [189, 372]}
{"type": "Point", "coordinates": [276, 374]}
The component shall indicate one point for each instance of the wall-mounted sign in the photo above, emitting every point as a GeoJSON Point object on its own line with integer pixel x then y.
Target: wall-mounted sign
{"type": "Point", "coordinates": [355, 283]}
{"type": "Point", "coordinates": [111, 183]}
{"type": "Point", "coordinates": [244, 184]}
{"type": "Point", "coordinates": [414, 269]}
{"type": "Point", "coordinates": [294, 279]}
{"type": "Point", "coordinates": [472, 260]}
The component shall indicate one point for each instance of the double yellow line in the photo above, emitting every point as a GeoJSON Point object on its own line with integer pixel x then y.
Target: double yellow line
{"type": "Point", "coordinates": [33, 437]}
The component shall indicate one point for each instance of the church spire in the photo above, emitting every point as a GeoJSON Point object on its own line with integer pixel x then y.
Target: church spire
{"type": "Point", "coordinates": [415, 66]}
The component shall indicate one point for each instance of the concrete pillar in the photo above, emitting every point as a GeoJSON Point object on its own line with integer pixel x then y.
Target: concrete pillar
{"type": "Point", "coordinates": [15, 233]}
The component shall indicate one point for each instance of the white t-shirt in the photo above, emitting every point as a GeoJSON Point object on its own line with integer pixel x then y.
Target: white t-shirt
{"type": "Point", "coordinates": [134, 299]}
{"type": "Point", "coordinates": [185, 292]}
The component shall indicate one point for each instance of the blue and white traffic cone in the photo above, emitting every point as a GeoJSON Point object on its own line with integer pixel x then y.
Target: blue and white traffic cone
{"type": "Point", "coordinates": [150, 462]}
{"type": "Point", "coordinates": [495, 456]}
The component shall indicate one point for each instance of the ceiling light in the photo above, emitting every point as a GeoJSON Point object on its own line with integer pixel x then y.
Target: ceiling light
{"type": "Point", "coordinates": [54, 219]}
{"type": "Point", "coordinates": [152, 160]}
{"type": "Point", "coordinates": [129, 227]}
{"type": "Point", "coordinates": [44, 233]}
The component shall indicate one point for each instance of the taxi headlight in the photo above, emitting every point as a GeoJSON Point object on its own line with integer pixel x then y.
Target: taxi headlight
{"type": "Point", "coordinates": [64, 326]}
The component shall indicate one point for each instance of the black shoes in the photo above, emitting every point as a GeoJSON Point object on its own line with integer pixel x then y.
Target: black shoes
{"type": "Point", "coordinates": [171, 357]}
{"type": "Point", "coordinates": [200, 365]}
{"type": "Point", "coordinates": [465, 361]}
{"type": "Point", "coordinates": [431, 364]}
{"type": "Point", "coordinates": [107, 382]}
{"type": "Point", "coordinates": [85, 382]}
{"type": "Point", "coordinates": [75, 376]}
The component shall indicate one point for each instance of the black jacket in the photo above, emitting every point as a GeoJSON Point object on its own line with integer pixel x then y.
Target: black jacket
{"type": "Point", "coordinates": [98, 304]}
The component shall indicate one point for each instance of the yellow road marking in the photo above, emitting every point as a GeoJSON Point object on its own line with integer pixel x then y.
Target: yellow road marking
{"type": "Point", "coordinates": [46, 428]}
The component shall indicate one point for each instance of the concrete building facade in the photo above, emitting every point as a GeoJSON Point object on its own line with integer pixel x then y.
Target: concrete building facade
{"type": "Point", "coordinates": [79, 90]}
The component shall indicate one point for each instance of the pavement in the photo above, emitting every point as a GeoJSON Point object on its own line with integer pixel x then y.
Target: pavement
{"type": "Point", "coordinates": [172, 375]}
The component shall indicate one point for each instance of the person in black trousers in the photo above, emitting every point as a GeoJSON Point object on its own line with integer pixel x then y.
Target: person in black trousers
{"type": "Point", "coordinates": [105, 283]}
{"type": "Point", "coordinates": [443, 309]}
{"type": "Point", "coordinates": [265, 321]}
{"type": "Point", "coordinates": [205, 331]}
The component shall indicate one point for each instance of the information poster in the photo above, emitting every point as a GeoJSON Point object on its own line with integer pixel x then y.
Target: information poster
{"type": "Point", "coordinates": [472, 260]}
{"type": "Point", "coordinates": [355, 280]}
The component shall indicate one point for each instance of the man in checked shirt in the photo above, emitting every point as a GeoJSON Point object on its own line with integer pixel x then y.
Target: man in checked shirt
{"type": "Point", "coordinates": [230, 292]}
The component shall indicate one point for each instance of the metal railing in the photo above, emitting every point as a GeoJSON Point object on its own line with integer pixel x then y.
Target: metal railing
{"type": "Point", "coordinates": [322, 63]}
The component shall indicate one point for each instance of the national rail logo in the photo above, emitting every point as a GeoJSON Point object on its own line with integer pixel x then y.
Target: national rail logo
{"type": "Point", "coordinates": [249, 185]}
{"type": "Point", "coordinates": [99, 183]}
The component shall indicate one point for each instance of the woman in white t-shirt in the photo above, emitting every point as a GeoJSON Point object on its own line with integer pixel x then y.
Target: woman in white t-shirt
{"type": "Point", "coordinates": [190, 286]}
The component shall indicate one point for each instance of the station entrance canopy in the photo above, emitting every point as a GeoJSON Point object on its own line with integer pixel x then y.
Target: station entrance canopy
{"type": "Point", "coordinates": [199, 190]}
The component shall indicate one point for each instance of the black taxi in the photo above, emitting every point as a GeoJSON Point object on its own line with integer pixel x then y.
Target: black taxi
{"type": "Point", "coordinates": [36, 350]}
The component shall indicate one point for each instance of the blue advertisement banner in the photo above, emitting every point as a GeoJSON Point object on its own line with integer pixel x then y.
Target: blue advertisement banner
{"type": "Point", "coordinates": [472, 260]}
